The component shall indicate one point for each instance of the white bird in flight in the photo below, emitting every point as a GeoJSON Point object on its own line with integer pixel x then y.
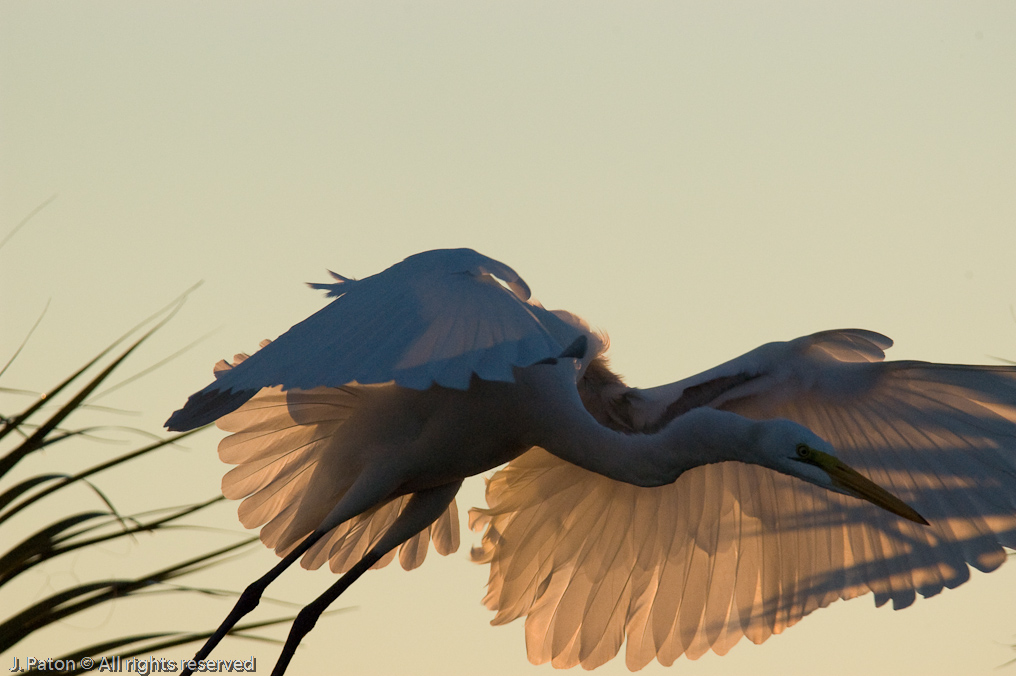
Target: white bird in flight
{"type": "Point", "coordinates": [679, 518]}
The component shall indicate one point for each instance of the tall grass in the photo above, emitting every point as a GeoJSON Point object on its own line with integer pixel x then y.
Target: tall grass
{"type": "Point", "coordinates": [48, 422]}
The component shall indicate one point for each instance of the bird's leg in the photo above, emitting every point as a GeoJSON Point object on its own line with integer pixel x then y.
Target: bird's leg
{"type": "Point", "coordinates": [249, 600]}
{"type": "Point", "coordinates": [365, 492]}
{"type": "Point", "coordinates": [423, 508]}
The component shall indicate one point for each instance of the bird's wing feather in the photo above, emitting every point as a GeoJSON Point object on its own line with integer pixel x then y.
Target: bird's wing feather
{"type": "Point", "coordinates": [436, 318]}
{"type": "Point", "coordinates": [288, 446]}
{"type": "Point", "coordinates": [732, 549]}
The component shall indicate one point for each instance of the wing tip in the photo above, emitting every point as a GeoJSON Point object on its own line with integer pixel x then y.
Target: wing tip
{"type": "Point", "coordinates": [206, 407]}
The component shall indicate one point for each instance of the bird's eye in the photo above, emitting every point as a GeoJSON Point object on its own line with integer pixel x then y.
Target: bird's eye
{"type": "Point", "coordinates": [803, 451]}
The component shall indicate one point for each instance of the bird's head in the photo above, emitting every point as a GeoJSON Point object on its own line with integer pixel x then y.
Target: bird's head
{"type": "Point", "coordinates": [797, 451]}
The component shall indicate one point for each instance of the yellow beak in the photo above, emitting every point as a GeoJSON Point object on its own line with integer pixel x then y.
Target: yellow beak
{"type": "Point", "coordinates": [852, 482]}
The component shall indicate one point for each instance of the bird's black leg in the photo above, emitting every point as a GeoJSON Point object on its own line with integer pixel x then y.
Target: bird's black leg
{"type": "Point", "coordinates": [250, 598]}
{"type": "Point", "coordinates": [366, 492]}
{"type": "Point", "coordinates": [308, 616]}
{"type": "Point", "coordinates": [421, 511]}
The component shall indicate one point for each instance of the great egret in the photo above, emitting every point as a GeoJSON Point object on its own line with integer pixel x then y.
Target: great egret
{"type": "Point", "coordinates": [683, 516]}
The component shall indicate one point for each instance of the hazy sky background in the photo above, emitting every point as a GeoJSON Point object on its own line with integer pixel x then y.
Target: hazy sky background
{"type": "Point", "coordinates": [694, 178]}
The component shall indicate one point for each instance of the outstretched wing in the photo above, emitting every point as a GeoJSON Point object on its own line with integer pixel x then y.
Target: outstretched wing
{"type": "Point", "coordinates": [732, 550]}
{"type": "Point", "coordinates": [436, 318]}
{"type": "Point", "coordinates": [290, 446]}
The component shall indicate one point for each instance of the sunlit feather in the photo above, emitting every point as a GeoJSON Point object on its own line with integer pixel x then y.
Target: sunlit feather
{"type": "Point", "coordinates": [673, 520]}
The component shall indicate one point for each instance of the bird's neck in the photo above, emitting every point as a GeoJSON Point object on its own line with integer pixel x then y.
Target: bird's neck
{"type": "Point", "coordinates": [705, 436]}
{"type": "Point", "coordinates": [702, 436]}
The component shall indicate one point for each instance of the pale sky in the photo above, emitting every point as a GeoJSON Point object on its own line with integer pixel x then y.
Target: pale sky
{"type": "Point", "coordinates": [694, 178]}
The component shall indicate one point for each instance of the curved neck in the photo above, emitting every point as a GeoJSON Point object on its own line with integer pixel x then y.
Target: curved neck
{"type": "Point", "coordinates": [563, 426]}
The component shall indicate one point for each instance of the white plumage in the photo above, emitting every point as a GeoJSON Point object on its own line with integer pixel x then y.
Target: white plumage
{"type": "Point", "coordinates": [732, 549]}
{"type": "Point", "coordinates": [679, 518]}
{"type": "Point", "coordinates": [436, 318]}
{"type": "Point", "coordinates": [288, 445]}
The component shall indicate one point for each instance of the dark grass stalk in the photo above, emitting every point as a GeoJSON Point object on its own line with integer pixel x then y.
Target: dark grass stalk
{"type": "Point", "coordinates": [79, 529]}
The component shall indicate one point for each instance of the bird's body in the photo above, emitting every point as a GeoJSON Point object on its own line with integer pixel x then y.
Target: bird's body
{"type": "Point", "coordinates": [683, 516]}
{"type": "Point", "coordinates": [408, 425]}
